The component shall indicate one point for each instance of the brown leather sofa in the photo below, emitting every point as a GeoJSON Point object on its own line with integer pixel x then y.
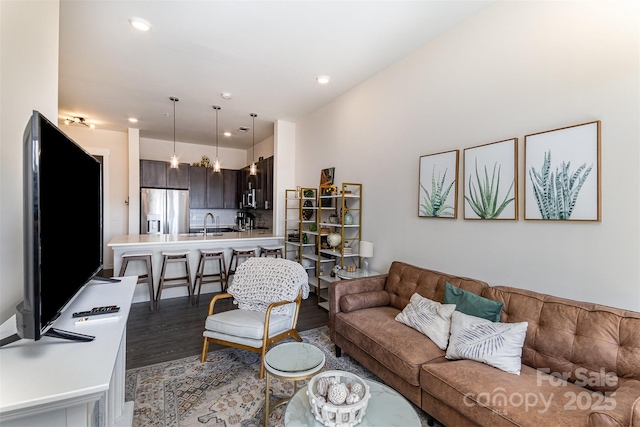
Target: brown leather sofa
{"type": "Point", "coordinates": [580, 361]}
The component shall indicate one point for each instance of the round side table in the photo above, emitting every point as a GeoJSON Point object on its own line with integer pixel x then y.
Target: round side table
{"type": "Point", "coordinates": [292, 361]}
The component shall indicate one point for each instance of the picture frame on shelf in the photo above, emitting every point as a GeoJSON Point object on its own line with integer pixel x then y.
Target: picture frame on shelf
{"type": "Point", "coordinates": [437, 185]}
{"type": "Point", "coordinates": [326, 178]}
{"type": "Point", "coordinates": [562, 174]}
{"type": "Point", "coordinates": [491, 181]}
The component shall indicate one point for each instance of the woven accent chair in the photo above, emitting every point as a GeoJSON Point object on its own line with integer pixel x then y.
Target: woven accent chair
{"type": "Point", "coordinates": [268, 292]}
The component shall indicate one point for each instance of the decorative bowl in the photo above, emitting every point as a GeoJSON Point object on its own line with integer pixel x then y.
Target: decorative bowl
{"type": "Point", "coordinates": [344, 415]}
{"type": "Point", "coordinates": [334, 239]}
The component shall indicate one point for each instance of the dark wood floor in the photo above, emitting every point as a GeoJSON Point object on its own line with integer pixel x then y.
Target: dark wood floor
{"type": "Point", "coordinates": [175, 331]}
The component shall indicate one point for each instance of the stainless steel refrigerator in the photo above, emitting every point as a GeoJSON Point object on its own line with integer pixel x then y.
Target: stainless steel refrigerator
{"type": "Point", "coordinates": [164, 211]}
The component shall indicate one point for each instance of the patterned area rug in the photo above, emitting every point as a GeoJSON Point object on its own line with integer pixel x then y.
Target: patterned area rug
{"type": "Point", "coordinates": [225, 391]}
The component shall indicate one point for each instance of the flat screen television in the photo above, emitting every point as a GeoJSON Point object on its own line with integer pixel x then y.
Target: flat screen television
{"type": "Point", "coordinates": [62, 226]}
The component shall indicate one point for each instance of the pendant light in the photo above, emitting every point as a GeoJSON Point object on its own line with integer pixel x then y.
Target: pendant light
{"type": "Point", "coordinates": [216, 164]}
{"type": "Point", "coordinates": [174, 158]}
{"type": "Point", "coordinates": [252, 169]}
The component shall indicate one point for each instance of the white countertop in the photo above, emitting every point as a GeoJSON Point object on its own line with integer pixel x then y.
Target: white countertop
{"type": "Point", "coordinates": [155, 239]}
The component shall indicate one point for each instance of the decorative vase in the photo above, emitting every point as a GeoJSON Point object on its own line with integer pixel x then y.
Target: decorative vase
{"type": "Point", "coordinates": [348, 218]}
{"type": "Point", "coordinates": [334, 239]}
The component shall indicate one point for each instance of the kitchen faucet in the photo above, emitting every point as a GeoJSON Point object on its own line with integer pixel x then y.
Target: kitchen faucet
{"type": "Point", "coordinates": [205, 222]}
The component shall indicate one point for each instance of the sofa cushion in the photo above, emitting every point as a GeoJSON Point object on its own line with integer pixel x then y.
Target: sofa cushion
{"type": "Point", "coordinates": [488, 396]}
{"type": "Point", "coordinates": [404, 280]}
{"type": "Point", "coordinates": [354, 302]}
{"type": "Point", "coordinates": [496, 344]}
{"type": "Point", "coordinates": [399, 348]}
{"type": "Point", "coordinates": [472, 304]}
{"type": "Point", "coordinates": [428, 317]}
{"type": "Point", "coordinates": [575, 339]}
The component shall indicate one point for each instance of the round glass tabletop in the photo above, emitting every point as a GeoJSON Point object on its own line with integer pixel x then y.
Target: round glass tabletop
{"type": "Point", "coordinates": [294, 357]}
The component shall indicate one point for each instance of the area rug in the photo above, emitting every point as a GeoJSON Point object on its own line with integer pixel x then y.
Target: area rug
{"type": "Point", "coordinates": [223, 392]}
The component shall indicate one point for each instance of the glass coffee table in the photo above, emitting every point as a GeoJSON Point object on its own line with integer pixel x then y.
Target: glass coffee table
{"type": "Point", "coordinates": [292, 361]}
{"type": "Point", "coordinates": [386, 408]}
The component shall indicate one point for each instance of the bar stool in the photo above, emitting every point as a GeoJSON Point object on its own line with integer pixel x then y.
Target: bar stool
{"type": "Point", "coordinates": [171, 257]}
{"type": "Point", "coordinates": [145, 256]}
{"type": "Point", "coordinates": [240, 252]}
{"type": "Point", "coordinates": [219, 277]}
{"type": "Point", "coordinates": [272, 250]}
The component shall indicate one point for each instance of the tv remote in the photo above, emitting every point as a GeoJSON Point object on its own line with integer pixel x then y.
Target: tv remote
{"type": "Point", "coordinates": [97, 310]}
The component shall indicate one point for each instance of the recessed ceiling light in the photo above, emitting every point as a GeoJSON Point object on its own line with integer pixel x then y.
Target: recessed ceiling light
{"type": "Point", "coordinates": [140, 24]}
{"type": "Point", "coordinates": [133, 120]}
{"type": "Point", "coordinates": [323, 80]}
{"type": "Point", "coordinates": [227, 134]}
{"type": "Point", "coordinates": [225, 95]}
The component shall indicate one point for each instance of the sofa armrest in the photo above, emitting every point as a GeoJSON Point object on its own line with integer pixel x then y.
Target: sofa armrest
{"type": "Point", "coordinates": [622, 408]}
{"type": "Point", "coordinates": [348, 287]}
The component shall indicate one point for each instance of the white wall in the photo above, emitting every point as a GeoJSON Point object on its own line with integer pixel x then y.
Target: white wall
{"type": "Point", "coordinates": [515, 69]}
{"type": "Point", "coordinates": [28, 81]}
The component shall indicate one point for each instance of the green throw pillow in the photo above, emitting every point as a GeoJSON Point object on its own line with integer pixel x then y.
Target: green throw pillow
{"type": "Point", "coordinates": [469, 303]}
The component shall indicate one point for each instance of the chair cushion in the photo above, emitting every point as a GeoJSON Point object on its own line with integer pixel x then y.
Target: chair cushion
{"type": "Point", "coordinates": [247, 323]}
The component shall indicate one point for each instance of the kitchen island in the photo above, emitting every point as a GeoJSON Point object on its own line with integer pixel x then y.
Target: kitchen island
{"type": "Point", "coordinates": [157, 243]}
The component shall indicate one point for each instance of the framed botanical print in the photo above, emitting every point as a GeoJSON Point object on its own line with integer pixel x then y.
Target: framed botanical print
{"type": "Point", "coordinates": [437, 187]}
{"type": "Point", "coordinates": [562, 174]}
{"type": "Point", "coordinates": [491, 181]}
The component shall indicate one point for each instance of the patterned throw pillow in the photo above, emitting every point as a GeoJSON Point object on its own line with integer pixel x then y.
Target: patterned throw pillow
{"type": "Point", "coordinates": [496, 344]}
{"type": "Point", "coordinates": [429, 317]}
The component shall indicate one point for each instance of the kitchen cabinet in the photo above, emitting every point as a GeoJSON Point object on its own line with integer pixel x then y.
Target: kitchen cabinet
{"type": "Point", "coordinates": [211, 190]}
{"type": "Point", "coordinates": [153, 174]}
{"type": "Point", "coordinates": [178, 178]}
{"type": "Point", "coordinates": [215, 189]}
{"type": "Point", "coordinates": [262, 182]}
{"type": "Point", "coordinates": [159, 174]}
{"type": "Point", "coordinates": [197, 187]}
{"type": "Point", "coordinates": [230, 184]}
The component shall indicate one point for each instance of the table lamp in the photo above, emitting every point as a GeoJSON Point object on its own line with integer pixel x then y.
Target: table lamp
{"type": "Point", "coordinates": [366, 251]}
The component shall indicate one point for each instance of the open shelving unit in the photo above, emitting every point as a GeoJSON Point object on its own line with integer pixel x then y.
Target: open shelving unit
{"type": "Point", "coordinates": [311, 215]}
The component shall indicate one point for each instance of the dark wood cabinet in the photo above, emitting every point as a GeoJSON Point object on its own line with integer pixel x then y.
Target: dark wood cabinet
{"type": "Point", "coordinates": [215, 189]}
{"type": "Point", "coordinates": [159, 174]}
{"type": "Point", "coordinates": [230, 183]}
{"type": "Point", "coordinates": [262, 182]}
{"type": "Point", "coordinates": [153, 174]}
{"type": "Point", "coordinates": [178, 178]}
{"type": "Point", "coordinates": [197, 187]}
{"type": "Point", "coordinates": [211, 190]}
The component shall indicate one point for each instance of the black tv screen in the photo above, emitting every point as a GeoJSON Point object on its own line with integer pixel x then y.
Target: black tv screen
{"type": "Point", "coordinates": [62, 224]}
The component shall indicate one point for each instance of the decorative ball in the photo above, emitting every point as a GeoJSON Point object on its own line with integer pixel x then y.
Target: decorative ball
{"type": "Point", "coordinates": [322, 386]}
{"type": "Point", "coordinates": [320, 399]}
{"type": "Point", "coordinates": [352, 398]}
{"type": "Point", "coordinates": [357, 389]}
{"type": "Point", "coordinates": [334, 239]}
{"type": "Point", "coordinates": [337, 393]}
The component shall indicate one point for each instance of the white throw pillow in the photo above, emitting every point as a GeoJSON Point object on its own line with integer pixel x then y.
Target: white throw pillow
{"type": "Point", "coordinates": [429, 317]}
{"type": "Point", "coordinates": [496, 344]}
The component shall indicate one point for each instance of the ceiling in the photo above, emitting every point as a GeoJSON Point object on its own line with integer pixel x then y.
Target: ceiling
{"type": "Point", "coordinates": [267, 54]}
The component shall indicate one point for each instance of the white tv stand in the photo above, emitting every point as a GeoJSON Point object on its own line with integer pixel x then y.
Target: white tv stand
{"type": "Point", "coordinates": [56, 382]}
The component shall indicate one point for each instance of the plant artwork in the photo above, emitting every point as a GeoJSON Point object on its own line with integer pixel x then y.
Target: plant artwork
{"type": "Point", "coordinates": [438, 192]}
{"type": "Point", "coordinates": [562, 169]}
{"type": "Point", "coordinates": [490, 181]}
{"type": "Point", "coordinates": [490, 173]}
{"type": "Point", "coordinates": [557, 192]}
